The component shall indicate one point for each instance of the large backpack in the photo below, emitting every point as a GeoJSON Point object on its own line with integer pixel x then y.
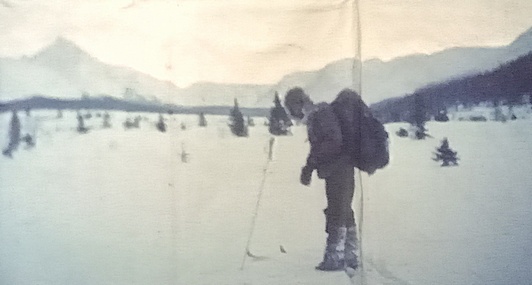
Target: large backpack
{"type": "Point", "coordinates": [364, 137]}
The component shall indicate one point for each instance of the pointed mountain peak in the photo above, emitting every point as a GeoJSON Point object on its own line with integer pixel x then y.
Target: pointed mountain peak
{"type": "Point", "coordinates": [525, 39]}
{"type": "Point", "coordinates": [373, 60]}
{"type": "Point", "coordinates": [61, 46]}
{"type": "Point", "coordinates": [63, 42]}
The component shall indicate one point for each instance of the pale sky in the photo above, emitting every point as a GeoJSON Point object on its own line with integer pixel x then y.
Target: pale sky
{"type": "Point", "coordinates": [253, 41]}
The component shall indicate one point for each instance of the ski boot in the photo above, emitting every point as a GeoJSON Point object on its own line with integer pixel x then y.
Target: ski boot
{"type": "Point", "coordinates": [333, 259]}
{"type": "Point", "coordinates": [350, 252]}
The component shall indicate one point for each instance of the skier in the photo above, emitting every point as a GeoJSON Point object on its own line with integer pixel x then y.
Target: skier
{"type": "Point", "coordinates": [329, 156]}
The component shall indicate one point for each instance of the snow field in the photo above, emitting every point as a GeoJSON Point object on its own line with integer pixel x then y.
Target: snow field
{"type": "Point", "coordinates": [117, 206]}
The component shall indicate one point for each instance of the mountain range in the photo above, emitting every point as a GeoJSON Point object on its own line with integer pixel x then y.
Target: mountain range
{"type": "Point", "coordinates": [63, 70]}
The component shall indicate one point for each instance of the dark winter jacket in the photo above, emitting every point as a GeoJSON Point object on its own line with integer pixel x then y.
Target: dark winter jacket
{"type": "Point", "coordinates": [325, 137]}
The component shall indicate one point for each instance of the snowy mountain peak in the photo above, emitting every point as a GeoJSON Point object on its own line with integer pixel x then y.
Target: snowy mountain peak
{"type": "Point", "coordinates": [64, 43]}
{"type": "Point", "coordinates": [523, 42]}
{"type": "Point", "coordinates": [524, 36]}
{"type": "Point", "coordinates": [60, 51]}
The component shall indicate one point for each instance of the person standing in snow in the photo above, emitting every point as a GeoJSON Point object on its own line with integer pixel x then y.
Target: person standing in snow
{"type": "Point", "coordinates": [330, 158]}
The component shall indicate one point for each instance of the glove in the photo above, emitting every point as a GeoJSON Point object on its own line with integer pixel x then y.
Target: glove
{"type": "Point", "coordinates": [306, 175]}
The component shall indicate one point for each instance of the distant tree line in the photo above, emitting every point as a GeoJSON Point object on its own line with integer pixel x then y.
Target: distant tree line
{"type": "Point", "coordinates": [108, 103]}
{"type": "Point", "coordinates": [508, 83]}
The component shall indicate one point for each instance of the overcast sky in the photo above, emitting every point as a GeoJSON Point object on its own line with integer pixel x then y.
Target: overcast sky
{"type": "Point", "coordinates": [253, 41]}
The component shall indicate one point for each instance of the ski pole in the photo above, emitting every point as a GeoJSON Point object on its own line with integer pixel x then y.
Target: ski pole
{"type": "Point", "coordinates": [254, 218]}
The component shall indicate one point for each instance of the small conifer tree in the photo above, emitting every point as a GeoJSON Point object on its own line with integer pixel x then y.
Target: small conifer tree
{"type": "Point", "coordinates": [445, 154]}
{"type": "Point", "coordinates": [81, 124]}
{"type": "Point", "coordinates": [279, 123]}
{"type": "Point", "coordinates": [106, 120]}
{"type": "Point", "coordinates": [132, 124]}
{"type": "Point", "coordinates": [419, 117]}
{"type": "Point", "coordinates": [251, 123]}
{"type": "Point", "coordinates": [161, 125]}
{"type": "Point", "coordinates": [402, 133]}
{"type": "Point", "coordinates": [497, 112]}
{"type": "Point", "coordinates": [441, 117]}
{"type": "Point", "coordinates": [14, 135]}
{"type": "Point", "coordinates": [202, 120]}
{"type": "Point", "coordinates": [237, 124]}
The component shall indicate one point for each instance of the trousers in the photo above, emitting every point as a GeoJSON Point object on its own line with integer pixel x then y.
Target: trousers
{"type": "Point", "coordinates": [339, 189]}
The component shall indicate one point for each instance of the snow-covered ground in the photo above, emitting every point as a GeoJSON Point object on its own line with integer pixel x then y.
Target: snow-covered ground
{"type": "Point", "coordinates": [488, 112]}
{"type": "Point", "coordinates": [117, 206]}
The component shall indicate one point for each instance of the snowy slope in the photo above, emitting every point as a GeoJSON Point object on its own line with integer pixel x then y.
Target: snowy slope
{"type": "Point", "coordinates": [119, 207]}
{"type": "Point", "coordinates": [460, 225]}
